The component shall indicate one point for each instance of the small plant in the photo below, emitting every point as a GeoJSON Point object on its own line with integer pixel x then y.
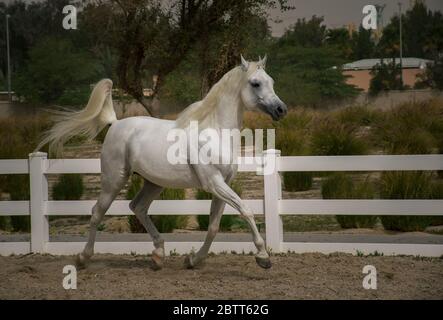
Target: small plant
{"type": "Point", "coordinates": [331, 138]}
{"type": "Point", "coordinates": [376, 254]}
{"type": "Point", "coordinates": [410, 128]}
{"type": "Point", "coordinates": [357, 115]}
{"type": "Point", "coordinates": [292, 142]}
{"type": "Point", "coordinates": [227, 222]}
{"type": "Point", "coordinates": [5, 223]}
{"type": "Point", "coordinates": [341, 186]}
{"type": "Point", "coordinates": [18, 187]}
{"type": "Point", "coordinates": [68, 187]}
{"type": "Point", "coordinates": [437, 193]}
{"type": "Point", "coordinates": [297, 181]}
{"type": "Point", "coordinates": [406, 185]}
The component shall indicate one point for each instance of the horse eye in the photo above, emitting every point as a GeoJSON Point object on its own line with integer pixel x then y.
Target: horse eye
{"type": "Point", "coordinates": [255, 84]}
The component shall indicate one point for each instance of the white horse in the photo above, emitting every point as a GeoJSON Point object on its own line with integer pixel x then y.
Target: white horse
{"type": "Point", "coordinates": [140, 145]}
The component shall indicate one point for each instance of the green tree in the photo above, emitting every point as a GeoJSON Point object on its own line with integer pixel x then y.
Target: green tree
{"type": "Point", "coordinates": [385, 77]}
{"type": "Point", "coordinates": [341, 40]}
{"type": "Point", "coordinates": [433, 76]}
{"type": "Point", "coordinates": [309, 76]}
{"type": "Point", "coordinates": [306, 33]}
{"type": "Point", "coordinates": [56, 72]}
{"type": "Point", "coordinates": [362, 44]}
{"type": "Point", "coordinates": [29, 22]}
{"type": "Point", "coordinates": [422, 34]}
{"type": "Point", "coordinates": [152, 38]}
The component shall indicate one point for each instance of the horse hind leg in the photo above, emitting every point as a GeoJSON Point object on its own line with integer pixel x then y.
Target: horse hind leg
{"type": "Point", "coordinates": [140, 205]}
{"type": "Point", "coordinates": [111, 186]}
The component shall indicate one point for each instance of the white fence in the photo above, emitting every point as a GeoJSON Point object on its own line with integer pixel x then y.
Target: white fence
{"type": "Point", "coordinates": [272, 206]}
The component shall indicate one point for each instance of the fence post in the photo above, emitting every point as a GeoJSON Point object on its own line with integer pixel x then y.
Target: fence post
{"type": "Point", "coordinates": [272, 190]}
{"type": "Point", "coordinates": [38, 197]}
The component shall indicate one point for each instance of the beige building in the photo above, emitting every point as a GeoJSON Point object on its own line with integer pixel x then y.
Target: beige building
{"type": "Point", "coordinates": [360, 76]}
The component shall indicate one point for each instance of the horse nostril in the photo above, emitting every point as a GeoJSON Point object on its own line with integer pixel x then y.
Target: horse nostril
{"type": "Point", "coordinates": [280, 110]}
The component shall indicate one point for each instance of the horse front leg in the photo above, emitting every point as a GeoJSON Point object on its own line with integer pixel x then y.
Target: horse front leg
{"type": "Point", "coordinates": [217, 208]}
{"type": "Point", "coordinates": [215, 184]}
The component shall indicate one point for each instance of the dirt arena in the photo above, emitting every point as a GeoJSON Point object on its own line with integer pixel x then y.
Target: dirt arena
{"type": "Point", "coordinates": [293, 276]}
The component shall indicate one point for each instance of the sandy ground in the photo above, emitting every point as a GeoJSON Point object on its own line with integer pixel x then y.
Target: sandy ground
{"type": "Point", "coordinates": [293, 276]}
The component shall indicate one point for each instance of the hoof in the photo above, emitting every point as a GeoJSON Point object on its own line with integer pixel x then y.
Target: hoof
{"type": "Point", "coordinates": [189, 262]}
{"type": "Point", "coordinates": [80, 261]}
{"type": "Point", "coordinates": [156, 262]}
{"type": "Point", "coordinates": [265, 263]}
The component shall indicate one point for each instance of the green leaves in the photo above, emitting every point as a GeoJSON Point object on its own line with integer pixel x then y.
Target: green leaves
{"type": "Point", "coordinates": [55, 70]}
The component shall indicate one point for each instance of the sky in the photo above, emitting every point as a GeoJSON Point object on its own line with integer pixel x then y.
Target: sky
{"type": "Point", "coordinates": [336, 13]}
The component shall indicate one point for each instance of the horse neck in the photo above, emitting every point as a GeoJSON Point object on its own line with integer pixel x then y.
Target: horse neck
{"type": "Point", "coordinates": [228, 111]}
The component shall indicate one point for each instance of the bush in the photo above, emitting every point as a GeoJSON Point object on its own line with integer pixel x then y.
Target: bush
{"type": "Point", "coordinates": [292, 142]}
{"type": "Point", "coordinates": [5, 223]}
{"type": "Point", "coordinates": [68, 187]}
{"type": "Point", "coordinates": [163, 223]}
{"type": "Point", "coordinates": [18, 187]}
{"type": "Point", "coordinates": [411, 128]}
{"type": "Point", "coordinates": [297, 181]}
{"type": "Point", "coordinates": [406, 185]}
{"type": "Point", "coordinates": [169, 223]}
{"type": "Point", "coordinates": [357, 115]}
{"type": "Point", "coordinates": [437, 193]}
{"type": "Point", "coordinates": [341, 186]}
{"type": "Point", "coordinates": [18, 137]}
{"type": "Point", "coordinates": [332, 138]}
{"type": "Point", "coordinates": [227, 221]}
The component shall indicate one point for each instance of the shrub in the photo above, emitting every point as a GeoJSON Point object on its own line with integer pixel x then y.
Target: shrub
{"type": "Point", "coordinates": [406, 185]}
{"type": "Point", "coordinates": [331, 138]}
{"type": "Point", "coordinates": [18, 138]}
{"type": "Point", "coordinates": [297, 181]}
{"type": "Point", "coordinates": [227, 221]}
{"type": "Point", "coordinates": [357, 115]}
{"type": "Point", "coordinates": [169, 223]}
{"type": "Point", "coordinates": [341, 186]}
{"type": "Point", "coordinates": [437, 193]}
{"type": "Point", "coordinates": [292, 142]}
{"type": "Point", "coordinates": [18, 187]}
{"type": "Point", "coordinates": [5, 223]}
{"type": "Point", "coordinates": [411, 128]}
{"type": "Point", "coordinates": [68, 187]}
{"type": "Point", "coordinates": [163, 223]}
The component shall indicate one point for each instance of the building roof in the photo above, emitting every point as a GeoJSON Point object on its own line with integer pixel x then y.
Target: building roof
{"type": "Point", "coordinates": [368, 64]}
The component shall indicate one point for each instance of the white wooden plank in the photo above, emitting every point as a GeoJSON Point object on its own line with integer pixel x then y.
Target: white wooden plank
{"type": "Point", "coordinates": [14, 208]}
{"type": "Point", "coordinates": [164, 207]}
{"type": "Point", "coordinates": [362, 163]}
{"type": "Point", "coordinates": [58, 166]}
{"type": "Point", "coordinates": [14, 166]}
{"type": "Point", "coordinates": [361, 207]}
{"type": "Point", "coordinates": [8, 248]}
{"type": "Point", "coordinates": [387, 249]}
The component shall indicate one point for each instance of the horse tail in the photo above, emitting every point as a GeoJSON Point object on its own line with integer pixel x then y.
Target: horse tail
{"type": "Point", "coordinates": [88, 122]}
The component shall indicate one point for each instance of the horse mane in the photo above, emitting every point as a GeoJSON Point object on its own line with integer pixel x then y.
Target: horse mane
{"type": "Point", "coordinates": [227, 86]}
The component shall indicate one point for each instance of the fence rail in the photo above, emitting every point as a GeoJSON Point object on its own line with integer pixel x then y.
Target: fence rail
{"type": "Point", "coordinates": [271, 206]}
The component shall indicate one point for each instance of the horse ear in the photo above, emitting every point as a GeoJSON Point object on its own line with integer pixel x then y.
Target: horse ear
{"type": "Point", "coordinates": [262, 62]}
{"type": "Point", "coordinates": [244, 63]}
